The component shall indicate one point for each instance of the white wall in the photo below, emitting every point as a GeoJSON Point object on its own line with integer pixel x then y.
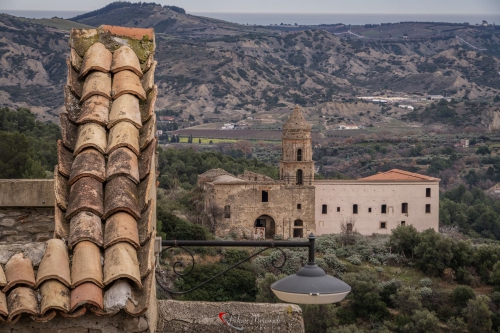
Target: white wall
{"type": "Point", "coordinates": [373, 194]}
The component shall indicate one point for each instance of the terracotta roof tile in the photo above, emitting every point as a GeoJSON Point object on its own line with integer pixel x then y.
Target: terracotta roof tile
{"type": "Point", "coordinates": [78, 311]}
{"type": "Point", "coordinates": [123, 162]}
{"type": "Point", "coordinates": [61, 189]}
{"type": "Point", "coordinates": [86, 194]}
{"type": "Point", "coordinates": [148, 79]}
{"type": "Point", "coordinates": [127, 82]}
{"type": "Point", "coordinates": [121, 227]}
{"type": "Point", "coordinates": [120, 261]}
{"type": "Point", "coordinates": [3, 279]}
{"type": "Point", "coordinates": [82, 39]}
{"type": "Point", "coordinates": [121, 195]}
{"type": "Point", "coordinates": [74, 83]}
{"type": "Point", "coordinates": [61, 225]}
{"type": "Point", "coordinates": [400, 175]}
{"type": "Point", "coordinates": [49, 315]}
{"type": "Point", "coordinates": [147, 107]}
{"type": "Point", "coordinates": [54, 264]}
{"type": "Point", "coordinates": [65, 159]}
{"type": "Point", "coordinates": [75, 59]}
{"type": "Point", "coordinates": [123, 134]}
{"type": "Point", "coordinates": [145, 189]}
{"type": "Point", "coordinates": [88, 163]}
{"type": "Point", "coordinates": [71, 104]}
{"type": "Point", "coordinates": [4, 311]}
{"type": "Point", "coordinates": [115, 298]}
{"type": "Point", "coordinates": [97, 58]}
{"type": "Point", "coordinates": [91, 135]}
{"type": "Point", "coordinates": [136, 33]}
{"type": "Point", "coordinates": [69, 131]}
{"type": "Point", "coordinates": [86, 265]}
{"type": "Point", "coordinates": [85, 226]}
{"type": "Point", "coordinates": [147, 64]}
{"type": "Point", "coordinates": [86, 294]}
{"type": "Point", "coordinates": [22, 300]}
{"type": "Point", "coordinates": [141, 298]}
{"type": "Point", "coordinates": [19, 271]}
{"type": "Point", "coordinates": [125, 108]}
{"type": "Point", "coordinates": [146, 159]}
{"type": "Point", "coordinates": [96, 110]}
{"type": "Point", "coordinates": [146, 224]}
{"type": "Point", "coordinates": [147, 133]}
{"type": "Point", "coordinates": [55, 296]}
{"type": "Point", "coordinates": [96, 83]}
{"type": "Point", "coordinates": [146, 258]}
{"type": "Point", "coordinates": [125, 59]}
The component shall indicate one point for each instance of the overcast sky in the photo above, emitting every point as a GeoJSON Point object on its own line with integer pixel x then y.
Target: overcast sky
{"type": "Point", "coordinates": [283, 6]}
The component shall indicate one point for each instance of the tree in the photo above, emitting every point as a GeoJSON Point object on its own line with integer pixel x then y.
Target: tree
{"type": "Point", "coordinates": [422, 321]}
{"type": "Point", "coordinates": [404, 239]}
{"type": "Point", "coordinates": [461, 295]}
{"type": "Point", "coordinates": [483, 150]}
{"type": "Point", "coordinates": [264, 293]}
{"type": "Point", "coordinates": [478, 315]}
{"type": "Point", "coordinates": [434, 252]}
{"type": "Point", "coordinates": [407, 300]}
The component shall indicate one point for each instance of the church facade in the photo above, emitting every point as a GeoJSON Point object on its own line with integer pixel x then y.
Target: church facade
{"type": "Point", "coordinates": [254, 206]}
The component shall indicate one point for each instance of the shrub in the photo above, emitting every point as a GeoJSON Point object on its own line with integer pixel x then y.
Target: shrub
{"type": "Point", "coordinates": [354, 259]}
{"type": "Point", "coordinates": [461, 295]}
{"type": "Point", "coordinates": [425, 282]}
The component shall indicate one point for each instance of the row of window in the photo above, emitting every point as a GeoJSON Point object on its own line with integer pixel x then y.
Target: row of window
{"type": "Point", "coordinates": [383, 225]}
{"type": "Point", "coordinates": [383, 209]}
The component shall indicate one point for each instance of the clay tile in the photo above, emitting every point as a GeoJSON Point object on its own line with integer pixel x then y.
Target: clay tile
{"type": "Point", "coordinates": [121, 195]}
{"type": "Point", "coordinates": [121, 227]}
{"type": "Point", "coordinates": [86, 294]}
{"type": "Point", "coordinates": [125, 108]}
{"type": "Point", "coordinates": [125, 58]}
{"type": "Point", "coordinates": [61, 226]}
{"type": "Point", "coordinates": [115, 298]}
{"type": "Point", "coordinates": [55, 295]}
{"type": "Point", "coordinates": [145, 224]}
{"type": "Point", "coordinates": [146, 257]}
{"type": "Point", "coordinates": [86, 265]}
{"type": "Point", "coordinates": [75, 313]}
{"type": "Point", "coordinates": [49, 315]}
{"type": "Point", "coordinates": [123, 162]}
{"type": "Point", "coordinates": [72, 104]}
{"type": "Point", "coordinates": [64, 158]}
{"type": "Point", "coordinates": [148, 79]}
{"type": "Point", "coordinates": [96, 110]}
{"type": "Point", "coordinates": [3, 279]}
{"type": "Point", "coordinates": [97, 58]}
{"type": "Point", "coordinates": [54, 264]}
{"type": "Point", "coordinates": [147, 107]}
{"type": "Point", "coordinates": [140, 301]}
{"type": "Point", "coordinates": [136, 33]}
{"type": "Point", "coordinates": [75, 84]}
{"type": "Point", "coordinates": [69, 131]}
{"type": "Point", "coordinates": [4, 311]}
{"type": "Point", "coordinates": [147, 133]}
{"type": "Point", "coordinates": [124, 134]}
{"type": "Point", "coordinates": [90, 135]}
{"type": "Point", "coordinates": [22, 300]}
{"type": "Point", "coordinates": [96, 83]}
{"type": "Point", "coordinates": [127, 82]}
{"type": "Point", "coordinates": [88, 163]}
{"type": "Point", "coordinates": [147, 64]}
{"type": "Point", "coordinates": [146, 191]}
{"type": "Point", "coordinates": [120, 261]}
{"type": "Point", "coordinates": [86, 194]}
{"type": "Point", "coordinates": [82, 39]}
{"type": "Point", "coordinates": [85, 226]}
{"type": "Point", "coordinates": [75, 59]}
{"type": "Point", "coordinates": [146, 159]}
{"type": "Point", "coordinates": [60, 189]}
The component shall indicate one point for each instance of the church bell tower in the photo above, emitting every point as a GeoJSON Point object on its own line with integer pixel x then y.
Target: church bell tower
{"type": "Point", "coordinates": [296, 164]}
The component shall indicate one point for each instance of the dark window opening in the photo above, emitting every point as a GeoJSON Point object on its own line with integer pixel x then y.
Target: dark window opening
{"type": "Point", "coordinates": [428, 192]}
{"type": "Point", "coordinates": [369, 210]}
{"type": "Point", "coordinates": [265, 196]}
{"type": "Point", "coordinates": [354, 209]}
{"type": "Point", "coordinates": [404, 208]}
{"type": "Point", "coordinates": [255, 178]}
{"type": "Point", "coordinates": [299, 206]}
{"type": "Point", "coordinates": [383, 225]}
{"type": "Point", "coordinates": [299, 177]}
{"type": "Point", "coordinates": [324, 208]}
{"type": "Point", "coordinates": [338, 209]}
{"type": "Point", "coordinates": [384, 209]}
{"type": "Point", "coordinates": [298, 223]}
{"type": "Point", "coordinates": [299, 155]}
{"type": "Point", "coordinates": [428, 208]}
{"type": "Point", "coordinates": [403, 222]}
{"type": "Point", "coordinates": [298, 233]}
{"type": "Point", "coordinates": [227, 211]}
{"type": "Point", "coordinates": [349, 226]}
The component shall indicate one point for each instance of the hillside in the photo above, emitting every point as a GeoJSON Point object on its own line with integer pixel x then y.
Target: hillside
{"type": "Point", "coordinates": [216, 71]}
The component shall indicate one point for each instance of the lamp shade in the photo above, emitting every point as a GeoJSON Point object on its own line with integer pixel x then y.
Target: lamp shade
{"type": "Point", "coordinates": [311, 285]}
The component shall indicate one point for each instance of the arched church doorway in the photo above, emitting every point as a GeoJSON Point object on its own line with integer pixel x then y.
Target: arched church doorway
{"type": "Point", "coordinates": [266, 221]}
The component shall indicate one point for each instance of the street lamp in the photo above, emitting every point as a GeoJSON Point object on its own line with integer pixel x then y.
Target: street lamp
{"type": "Point", "coordinates": [310, 285]}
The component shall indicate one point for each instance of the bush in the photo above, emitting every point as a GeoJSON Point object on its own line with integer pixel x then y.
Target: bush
{"type": "Point", "coordinates": [425, 282]}
{"type": "Point", "coordinates": [461, 295]}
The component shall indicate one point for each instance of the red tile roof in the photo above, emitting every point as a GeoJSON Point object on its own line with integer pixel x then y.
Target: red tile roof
{"type": "Point", "coordinates": [399, 175]}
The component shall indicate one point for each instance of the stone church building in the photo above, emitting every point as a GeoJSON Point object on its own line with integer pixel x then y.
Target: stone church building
{"type": "Point", "coordinates": [255, 206]}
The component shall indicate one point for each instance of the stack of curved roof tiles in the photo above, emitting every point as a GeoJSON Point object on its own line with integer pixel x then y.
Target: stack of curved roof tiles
{"type": "Point", "coordinates": [102, 256]}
